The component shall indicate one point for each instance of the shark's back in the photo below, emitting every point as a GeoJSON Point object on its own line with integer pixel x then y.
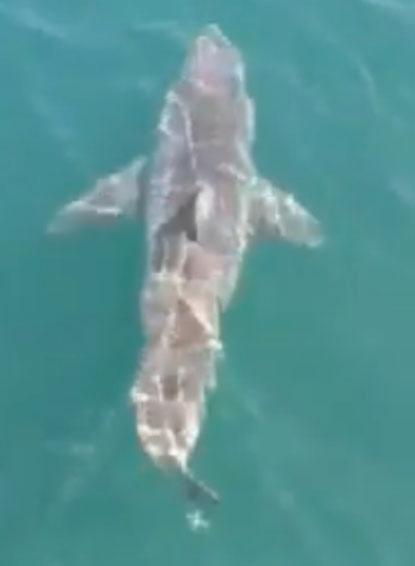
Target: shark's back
{"type": "Point", "coordinates": [203, 156]}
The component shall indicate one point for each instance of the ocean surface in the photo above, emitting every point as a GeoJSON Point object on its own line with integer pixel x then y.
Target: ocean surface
{"type": "Point", "coordinates": [309, 436]}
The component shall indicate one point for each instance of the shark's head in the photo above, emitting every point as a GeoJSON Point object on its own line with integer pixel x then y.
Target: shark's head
{"type": "Point", "coordinates": [214, 64]}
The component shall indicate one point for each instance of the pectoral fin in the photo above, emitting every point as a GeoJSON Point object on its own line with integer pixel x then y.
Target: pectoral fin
{"type": "Point", "coordinates": [275, 213]}
{"type": "Point", "coordinates": [111, 197]}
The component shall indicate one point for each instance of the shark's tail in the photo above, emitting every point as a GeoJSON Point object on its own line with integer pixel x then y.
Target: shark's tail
{"type": "Point", "coordinates": [197, 491]}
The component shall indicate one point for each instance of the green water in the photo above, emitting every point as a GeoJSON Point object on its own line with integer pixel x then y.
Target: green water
{"type": "Point", "coordinates": [309, 437]}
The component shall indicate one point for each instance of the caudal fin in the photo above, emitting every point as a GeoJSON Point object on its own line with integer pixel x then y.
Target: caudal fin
{"type": "Point", "coordinates": [197, 491]}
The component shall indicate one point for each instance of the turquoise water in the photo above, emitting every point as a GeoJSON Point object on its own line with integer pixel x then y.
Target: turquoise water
{"type": "Point", "coordinates": [309, 437]}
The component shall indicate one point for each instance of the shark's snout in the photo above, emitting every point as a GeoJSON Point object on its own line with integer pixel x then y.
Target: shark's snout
{"type": "Point", "coordinates": [213, 35]}
{"type": "Point", "coordinates": [214, 63]}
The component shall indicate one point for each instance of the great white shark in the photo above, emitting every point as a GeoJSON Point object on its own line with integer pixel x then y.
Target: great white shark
{"type": "Point", "coordinates": [203, 202]}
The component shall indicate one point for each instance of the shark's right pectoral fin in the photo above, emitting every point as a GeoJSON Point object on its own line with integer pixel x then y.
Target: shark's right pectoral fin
{"type": "Point", "coordinates": [275, 213]}
{"type": "Point", "coordinates": [117, 195]}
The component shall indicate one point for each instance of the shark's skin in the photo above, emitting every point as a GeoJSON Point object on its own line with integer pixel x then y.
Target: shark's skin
{"type": "Point", "coordinates": [203, 202]}
{"type": "Point", "coordinates": [181, 320]}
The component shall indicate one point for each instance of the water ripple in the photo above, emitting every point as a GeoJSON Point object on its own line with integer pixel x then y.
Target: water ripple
{"type": "Point", "coordinates": [26, 18]}
{"type": "Point", "coordinates": [401, 9]}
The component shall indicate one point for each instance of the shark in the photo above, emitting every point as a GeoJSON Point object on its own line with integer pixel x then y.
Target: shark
{"type": "Point", "coordinates": [204, 203]}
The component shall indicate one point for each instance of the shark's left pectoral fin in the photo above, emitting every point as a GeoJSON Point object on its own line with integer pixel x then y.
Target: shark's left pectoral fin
{"type": "Point", "coordinates": [111, 197]}
{"type": "Point", "coordinates": [275, 213]}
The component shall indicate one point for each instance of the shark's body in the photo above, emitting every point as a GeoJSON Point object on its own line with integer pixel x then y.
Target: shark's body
{"type": "Point", "coordinates": [203, 202]}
